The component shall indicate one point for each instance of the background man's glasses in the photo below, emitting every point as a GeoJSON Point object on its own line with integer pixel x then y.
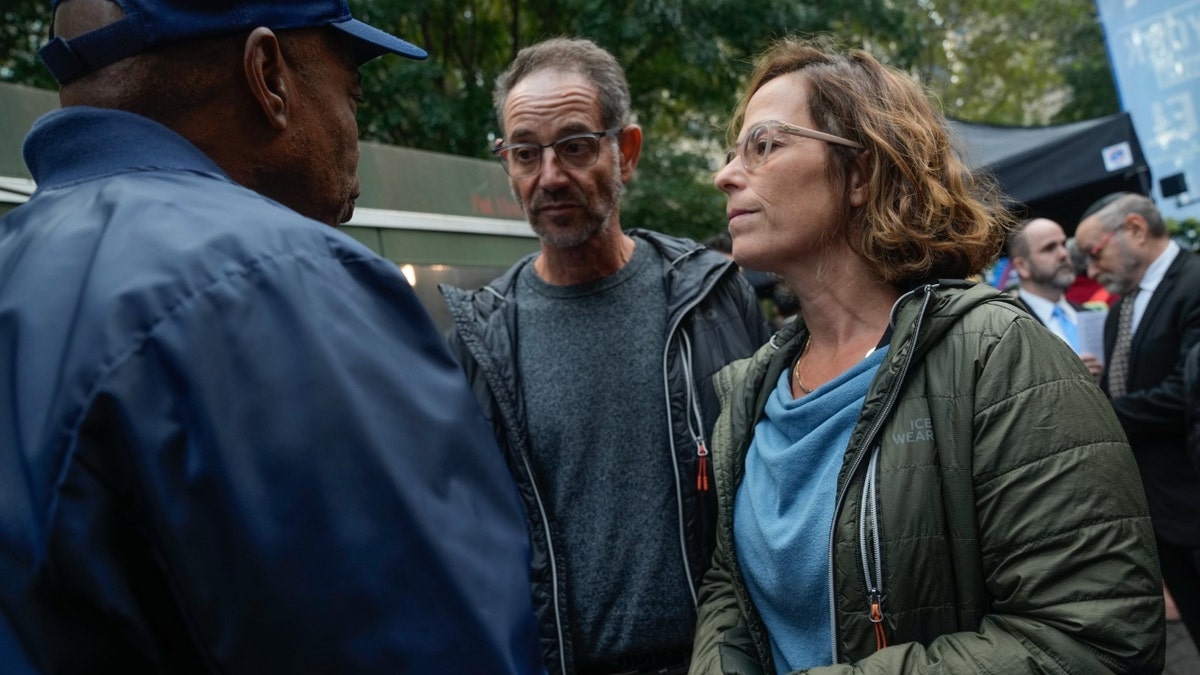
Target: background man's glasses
{"type": "Point", "coordinates": [757, 145]}
{"type": "Point", "coordinates": [1095, 251]}
{"type": "Point", "coordinates": [577, 151]}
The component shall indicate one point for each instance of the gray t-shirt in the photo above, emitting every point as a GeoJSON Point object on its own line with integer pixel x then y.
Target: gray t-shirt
{"type": "Point", "coordinates": [591, 359]}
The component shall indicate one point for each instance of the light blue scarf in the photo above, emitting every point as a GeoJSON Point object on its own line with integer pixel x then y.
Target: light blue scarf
{"type": "Point", "coordinates": [783, 510]}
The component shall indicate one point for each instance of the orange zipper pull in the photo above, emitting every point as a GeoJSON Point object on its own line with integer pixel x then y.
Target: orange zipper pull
{"type": "Point", "coordinates": [702, 467]}
{"type": "Point", "coordinates": [877, 619]}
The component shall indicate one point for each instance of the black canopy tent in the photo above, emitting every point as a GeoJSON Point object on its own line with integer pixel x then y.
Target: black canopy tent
{"type": "Point", "coordinates": [1057, 171]}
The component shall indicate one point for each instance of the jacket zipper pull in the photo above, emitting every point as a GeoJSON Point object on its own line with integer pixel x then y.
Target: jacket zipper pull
{"type": "Point", "coordinates": [702, 467]}
{"type": "Point", "coordinates": [876, 615]}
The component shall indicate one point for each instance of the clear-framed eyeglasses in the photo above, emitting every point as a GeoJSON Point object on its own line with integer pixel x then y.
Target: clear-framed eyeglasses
{"type": "Point", "coordinates": [577, 151]}
{"type": "Point", "coordinates": [761, 139]}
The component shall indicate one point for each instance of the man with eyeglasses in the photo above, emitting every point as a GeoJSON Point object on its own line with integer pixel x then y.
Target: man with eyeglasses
{"type": "Point", "coordinates": [1146, 339]}
{"type": "Point", "coordinates": [593, 359]}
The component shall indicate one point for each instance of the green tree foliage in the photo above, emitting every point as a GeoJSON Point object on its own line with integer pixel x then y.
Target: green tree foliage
{"type": "Point", "coordinates": [24, 25]}
{"type": "Point", "coordinates": [684, 60]}
{"type": "Point", "coordinates": [1088, 75]}
{"type": "Point", "coordinates": [1186, 232]}
{"type": "Point", "coordinates": [997, 61]}
{"type": "Point", "coordinates": [1016, 62]}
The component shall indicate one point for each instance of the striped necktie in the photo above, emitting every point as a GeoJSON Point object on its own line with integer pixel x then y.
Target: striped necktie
{"type": "Point", "coordinates": [1118, 365]}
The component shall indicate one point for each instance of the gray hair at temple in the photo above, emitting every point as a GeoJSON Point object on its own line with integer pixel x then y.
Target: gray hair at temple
{"type": "Point", "coordinates": [1018, 243]}
{"type": "Point", "coordinates": [1078, 260]}
{"type": "Point", "coordinates": [1112, 209]}
{"type": "Point", "coordinates": [571, 55]}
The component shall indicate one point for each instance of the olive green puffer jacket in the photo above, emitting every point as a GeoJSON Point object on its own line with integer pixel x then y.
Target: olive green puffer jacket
{"type": "Point", "coordinates": [1013, 535]}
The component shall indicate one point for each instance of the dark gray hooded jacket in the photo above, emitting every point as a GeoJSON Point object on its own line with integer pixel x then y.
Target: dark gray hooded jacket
{"type": "Point", "coordinates": [713, 317]}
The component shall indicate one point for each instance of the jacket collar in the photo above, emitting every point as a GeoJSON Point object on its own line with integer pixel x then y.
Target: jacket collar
{"type": "Point", "coordinates": [949, 301]}
{"type": "Point", "coordinates": [80, 143]}
{"type": "Point", "coordinates": [692, 270]}
{"type": "Point", "coordinates": [952, 299]}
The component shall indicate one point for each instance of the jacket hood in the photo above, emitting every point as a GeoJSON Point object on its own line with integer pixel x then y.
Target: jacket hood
{"type": "Point", "coordinates": [693, 270]}
{"type": "Point", "coordinates": [930, 310]}
{"type": "Point", "coordinates": [927, 311]}
{"type": "Point", "coordinates": [949, 301]}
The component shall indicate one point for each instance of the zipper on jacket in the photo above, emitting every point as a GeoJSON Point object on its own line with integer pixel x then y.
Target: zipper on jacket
{"type": "Point", "coordinates": [868, 442]}
{"type": "Point", "coordinates": [695, 420]}
{"type": "Point", "coordinates": [685, 348]}
{"type": "Point", "coordinates": [869, 543]}
{"type": "Point", "coordinates": [557, 603]}
{"type": "Point", "coordinates": [537, 495]}
{"type": "Point", "coordinates": [693, 408]}
{"type": "Point", "coordinates": [701, 466]}
{"type": "Point", "coordinates": [470, 339]}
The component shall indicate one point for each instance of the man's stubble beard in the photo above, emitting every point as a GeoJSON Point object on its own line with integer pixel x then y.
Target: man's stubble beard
{"type": "Point", "coordinates": [1060, 279]}
{"type": "Point", "coordinates": [596, 216]}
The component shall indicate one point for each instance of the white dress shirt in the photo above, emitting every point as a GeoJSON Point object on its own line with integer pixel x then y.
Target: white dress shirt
{"type": "Point", "coordinates": [1043, 309]}
{"type": "Point", "coordinates": [1150, 281]}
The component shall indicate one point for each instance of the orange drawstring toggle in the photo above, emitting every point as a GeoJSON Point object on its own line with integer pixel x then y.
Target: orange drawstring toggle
{"type": "Point", "coordinates": [877, 619]}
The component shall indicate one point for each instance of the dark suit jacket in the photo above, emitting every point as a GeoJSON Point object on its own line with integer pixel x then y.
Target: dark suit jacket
{"type": "Point", "coordinates": [1024, 305]}
{"type": "Point", "coordinates": [1191, 413]}
{"type": "Point", "coordinates": [1152, 411]}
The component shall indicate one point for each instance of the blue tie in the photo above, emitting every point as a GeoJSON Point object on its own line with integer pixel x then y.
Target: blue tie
{"type": "Point", "coordinates": [1067, 328]}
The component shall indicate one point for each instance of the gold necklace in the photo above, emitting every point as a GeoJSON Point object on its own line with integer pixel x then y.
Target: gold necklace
{"type": "Point", "coordinates": [796, 370]}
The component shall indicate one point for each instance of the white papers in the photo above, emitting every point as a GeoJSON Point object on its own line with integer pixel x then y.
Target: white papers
{"type": "Point", "coordinates": [1091, 333]}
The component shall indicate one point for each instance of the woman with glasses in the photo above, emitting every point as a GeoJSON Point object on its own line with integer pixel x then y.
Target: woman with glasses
{"type": "Point", "coordinates": [914, 476]}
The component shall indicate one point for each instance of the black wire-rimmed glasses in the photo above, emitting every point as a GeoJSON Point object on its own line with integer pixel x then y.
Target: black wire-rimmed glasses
{"type": "Point", "coordinates": [757, 145]}
{"type": "Point", "coordinates": [577, 151]}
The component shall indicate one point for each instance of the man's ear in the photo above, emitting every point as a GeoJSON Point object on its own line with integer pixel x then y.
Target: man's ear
{"type": "Point", "coordinates": [630, 143]}
{"type": "Point", "coordinates": [1021, 265]}
{"type": "Point", "coordinates": [1136, 227]}
{"type": "Point", "coordinates": [266, 74]}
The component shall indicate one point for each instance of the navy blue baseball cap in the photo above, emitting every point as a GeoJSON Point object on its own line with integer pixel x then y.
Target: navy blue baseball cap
{"type": "Point", "coordinates": [152, 23]}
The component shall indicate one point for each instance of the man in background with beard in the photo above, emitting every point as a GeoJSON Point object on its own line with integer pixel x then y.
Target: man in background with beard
{"type": "Point", "coordinates": [593, 359]}
{"type": "Point", "coordinates": [1147, 337]}
{"type": "Point", "coordinates": [1039, 255]}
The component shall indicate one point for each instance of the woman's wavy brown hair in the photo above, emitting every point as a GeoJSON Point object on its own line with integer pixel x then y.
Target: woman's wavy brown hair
{"type": "Point", "coordinates": [926, 215]}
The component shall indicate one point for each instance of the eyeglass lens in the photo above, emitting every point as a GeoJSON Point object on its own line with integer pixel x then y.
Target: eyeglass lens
{"type": "Point", "coordinates": [575, 152]}
{"type": "Point", "coordinates": [755, 147]}
{"type": "Point", "coordinates": [758, 145]}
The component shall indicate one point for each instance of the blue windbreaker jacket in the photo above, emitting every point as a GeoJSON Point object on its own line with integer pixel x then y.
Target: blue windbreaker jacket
{"type": "Point", "coordinates": [231, 439]}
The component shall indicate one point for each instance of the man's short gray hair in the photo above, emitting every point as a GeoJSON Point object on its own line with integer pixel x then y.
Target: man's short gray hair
{"type": "Point", "coordinates": [1113, 213]}
{"type": "Point", "coordinates": [570, 55]}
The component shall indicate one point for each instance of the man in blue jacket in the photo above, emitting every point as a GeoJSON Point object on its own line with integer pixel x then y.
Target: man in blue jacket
{"type": "Point", "coordinates": [231, 440]}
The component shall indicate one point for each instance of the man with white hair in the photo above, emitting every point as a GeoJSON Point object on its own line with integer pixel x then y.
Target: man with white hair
{"type": "Point", "coordinates": [1147, 337]}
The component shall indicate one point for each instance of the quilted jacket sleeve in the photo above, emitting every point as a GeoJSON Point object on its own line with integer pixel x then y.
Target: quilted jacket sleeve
{"type": "Point", "coordinates": [723, 645]}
